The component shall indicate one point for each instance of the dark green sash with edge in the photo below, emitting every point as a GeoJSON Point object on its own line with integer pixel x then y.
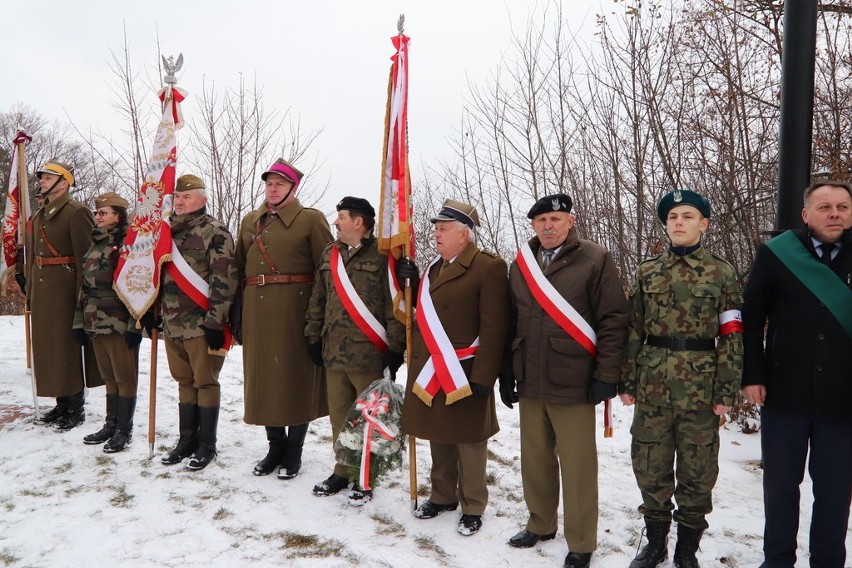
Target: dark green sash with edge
{"type": "Point", "coordinates": [816, 276]}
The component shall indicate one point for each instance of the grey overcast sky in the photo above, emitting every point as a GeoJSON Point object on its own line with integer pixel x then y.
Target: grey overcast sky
{"type": "Point", "coordinates": [325, 60]}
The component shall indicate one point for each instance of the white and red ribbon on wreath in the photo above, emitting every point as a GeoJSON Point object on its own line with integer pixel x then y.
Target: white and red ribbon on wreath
{"type": "Point", "coordinates": [372, 406]}
{"type": "Point", "coordinates": [178, 95]}
{"type": "Point", "coordinates": [562, 312]}
{"type": "Point", "coordinates": [354, 305]}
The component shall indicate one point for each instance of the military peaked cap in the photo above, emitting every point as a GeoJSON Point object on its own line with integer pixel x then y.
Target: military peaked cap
{"type": "Point", "coordinates": [457, 211]}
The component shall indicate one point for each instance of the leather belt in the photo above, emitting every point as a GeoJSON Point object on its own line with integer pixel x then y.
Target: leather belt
{"type": "Point", "coordinates": [264, 279]}
{"type": "Point", "coordinates": [52, 260]}
{"type": "Point", "coordinates": [681, 343]}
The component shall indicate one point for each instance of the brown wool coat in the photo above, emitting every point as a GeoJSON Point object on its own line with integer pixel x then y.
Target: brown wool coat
{"type": "Point", "coordinates": [52, 293]}
{"type": "Point", "coordinates": [472, 299]}
{"type": "Point", "coordinates": [548, 363]}
{"type": "Point", "coordinates": [282, 385]}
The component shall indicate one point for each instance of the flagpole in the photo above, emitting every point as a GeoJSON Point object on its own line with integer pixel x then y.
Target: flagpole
{"type": "Point", "coordinates": [23, 204]}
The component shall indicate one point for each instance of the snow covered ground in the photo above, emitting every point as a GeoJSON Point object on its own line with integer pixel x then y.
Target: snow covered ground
{"type": "Point", "coordinates": [63, 503]}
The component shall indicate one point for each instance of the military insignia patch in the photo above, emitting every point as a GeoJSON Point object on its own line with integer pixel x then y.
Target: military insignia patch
{"type": "Point", "coordinates": [678, 197]}
{"type": "Point", "coordinates": [555, 203]}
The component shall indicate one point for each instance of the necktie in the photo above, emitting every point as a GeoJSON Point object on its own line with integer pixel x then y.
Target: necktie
{"type": "Point", "coordinates": [546, 257]}
{"type": "Point", "coordinates": [825, 256]}
{"type": "Point", "coordinates": [444, 266]}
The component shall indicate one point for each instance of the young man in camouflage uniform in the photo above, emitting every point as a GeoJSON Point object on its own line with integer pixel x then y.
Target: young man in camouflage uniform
{"type": "Point", "coordinates": [195, 338]}
{"type": "Point", "coordinates": [61, 234]}
{"type": "Point", "coordinates": [682, 369]}
{"type": "Point", "coordinates": [351, 359]}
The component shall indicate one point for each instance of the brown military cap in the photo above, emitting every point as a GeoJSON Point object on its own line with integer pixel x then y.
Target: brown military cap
{"type": "Point", "coordinates": [57, 168]}
{"type": "Point", "coordinates": [187, 182]}
{"type": "Point", "coordinates": [457, 211]}
{"type": "Point", "coordinates": [110, 199]}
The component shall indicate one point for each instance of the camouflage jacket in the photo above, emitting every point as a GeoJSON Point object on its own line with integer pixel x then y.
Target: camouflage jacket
{"type": "Point", "coordinates": [99, 310]}
{"type": "Point", "coordinates": [344, 345]}
{"type": "Point", "coordinates": [683, 297]}
{"type": "Point", "coordinates": [208, 249]}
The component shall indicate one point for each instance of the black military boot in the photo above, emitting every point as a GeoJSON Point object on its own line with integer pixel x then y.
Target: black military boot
{"type": "Point", "coordinates": [688, 539]}
{"type": "Point", "coordinates": [126, 406]}
{"type": "Point", "coordinates": [188, 428]}
{"type": "Point", "coordinates": [277, 437]}
{"type": "Point", "coordinates": [292, 462]}
{"type": "Point", "coordinates": [54, 413]}
{"type": "Point", "coordinates": [74, 415]}
{"type": "Point", "coordinates": [657, 550]}
{"type": "Point", "coordinates": [107, 431]}
{"type": "Point", "coordinates": [208, 420]}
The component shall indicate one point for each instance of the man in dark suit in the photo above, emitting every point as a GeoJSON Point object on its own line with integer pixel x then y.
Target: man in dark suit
{"type": "Point", "coordinates": [802, 375]}
{"type": "Point", "coordinates": [462, 326]}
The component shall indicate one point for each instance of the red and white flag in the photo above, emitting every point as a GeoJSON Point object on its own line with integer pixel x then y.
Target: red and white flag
{"type": "Point", "coordinates": [395, 233]}
{"type": "Point", "coordinates": [12, 226]}
{"type": "Point", "coordinates": [148, 243]}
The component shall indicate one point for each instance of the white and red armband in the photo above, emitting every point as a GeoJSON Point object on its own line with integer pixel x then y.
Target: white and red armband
{"type": "Point", "coordinates": [730, 321]}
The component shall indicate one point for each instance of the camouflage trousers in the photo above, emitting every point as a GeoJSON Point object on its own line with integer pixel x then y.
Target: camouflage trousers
{"type": "Point", "coordinates": [662, 435]}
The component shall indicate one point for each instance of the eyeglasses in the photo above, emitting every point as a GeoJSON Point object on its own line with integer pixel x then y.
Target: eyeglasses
{"type": "Point", "coordinates": [101, 213]}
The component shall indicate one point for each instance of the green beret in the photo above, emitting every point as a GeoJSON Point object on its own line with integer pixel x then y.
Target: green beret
{"type": "Point", "coordinates": [682, 197]}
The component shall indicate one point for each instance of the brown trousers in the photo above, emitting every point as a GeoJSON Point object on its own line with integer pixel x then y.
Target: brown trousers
{"type": "Point", "coordinates": [559, 439]}
{"type": "Point", "coordinates": [343, 389]}
{"type": "Point", "coordinates": [458, 474]}
{"type": "Point", "coordinates": [117, 363]}
{"type": "Point", "coordinates": [195, 370]}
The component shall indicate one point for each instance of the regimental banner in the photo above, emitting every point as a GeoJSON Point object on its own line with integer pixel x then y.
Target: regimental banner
{"type": "Point", "coordinates": [395, 231]}
{"type": "Point", "coordinates": [148, 243]}
{"type": "Point", "coordinates": [12, 225]}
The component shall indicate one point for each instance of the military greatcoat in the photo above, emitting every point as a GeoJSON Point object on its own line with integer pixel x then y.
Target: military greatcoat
{"type": "Point", "coordinates": [282, 386]}
{"type": "Point", "coordinates": [471, 298]}
{"type": "Point", "coordinates": [61, 228]}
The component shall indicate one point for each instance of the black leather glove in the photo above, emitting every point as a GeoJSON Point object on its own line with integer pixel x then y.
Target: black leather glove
{"type": "Point", "coordinates": [392, 360]}
{"type": "Point", "coordinates": [508, 393]}
{"type": "Point", "coordinates": [406, 269]}
{"type": "Point", "coordinates": [480, 390]}
{"type": "Point", "coordinates": [150, 322]}
{"type": "Point", "coordinates": [132, 339]}
{"type": "Point", "coordinates": [315, 353]}
{"type": "Point", "coordinates": [22, 282]}
{"type": "Point", "coordinates": [599, 392]}
{"type": "Point", "coordinates": [80, 336]}
{"type": "Point", "coordinates": [215, 337]}
{"type": "Point", "coordinates": [237, 332]}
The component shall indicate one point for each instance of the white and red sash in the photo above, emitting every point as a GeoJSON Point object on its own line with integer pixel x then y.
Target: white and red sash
{"type": "Point", "coordinates": [560, 311]}
{"type": "Point", "coordinates": [443, 370]}
{"type": "Point", "coordinates": [196, 288]}
{"type": "Point", "coordinates": [354, 305]}
{"type": "Point", "coordinates": [554, 304]}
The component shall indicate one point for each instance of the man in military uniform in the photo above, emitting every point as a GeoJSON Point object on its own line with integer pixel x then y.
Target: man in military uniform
{"type": "Point", "coordinates": [682, 370]}
{"type": "Point", "coordinates": [61, 234]}
{"type": "Point", "coordinates": [463, 312]}
{"type": "Point", "coordinates": [278, 250]}
{"type": "Point", "coordinates": [800, 372]}
{"type": "Point", "coordinates": [353, 357]}
{"type": "Point", "coordinates": [565, 362]}
{"type": "Point", "coordinates": [196, 336]}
